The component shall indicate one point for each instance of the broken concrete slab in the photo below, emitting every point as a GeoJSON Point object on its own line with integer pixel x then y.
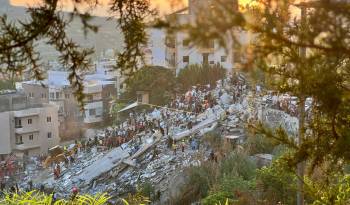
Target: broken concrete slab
{"type": "Point", "coordinates": [103, 165]}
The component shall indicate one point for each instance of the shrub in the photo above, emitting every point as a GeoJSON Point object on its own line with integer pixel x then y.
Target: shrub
{"type": "Point", "coordinates": [158, 81]}
{"type": "Point", "coordinates": [200, 74]}
{"type": "Point", "coordinates": [238, 164]}
{"type": "Point", "coordinates": [34, 197]}
{"type": "Point", "coordinates": [216, 198]}
{"type": "Point", "coordinates": [259, 144]}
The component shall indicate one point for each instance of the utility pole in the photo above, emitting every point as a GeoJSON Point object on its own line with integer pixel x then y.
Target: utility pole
{"type": "Point", "coordinates": [301, 109]}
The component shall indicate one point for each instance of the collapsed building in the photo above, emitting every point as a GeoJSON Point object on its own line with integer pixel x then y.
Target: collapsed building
{"type": "Point", "coordinates": [148, 158]}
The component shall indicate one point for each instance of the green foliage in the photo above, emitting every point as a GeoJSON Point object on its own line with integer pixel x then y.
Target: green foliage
{"type": "Point", "coordinates": [159, 82]}
{"type": "Point", "coordinates": [338, 193]}
{"type": "Point", "coordinates": [200, 74]}
{"type": "Point", "coordinates": [259, 144]}
{"type": "Point", "coordinates": [213, 183]}
{"type": "Point", "coordinates": [230, 187]}
{"type": "Point", "coordinates": [34, 198]}
{"type": "Point", "coordinates": [216, 198]}
{"type": "Point", "coordinates": [279, 185]}
{"type": "Point", "coordinates": [116, 107]}
{"type": "Point", "coordinates": [214, 139]}
{"type": "Point", "coordinates": [305, 57]}
{"type": "Point", "coordinates": [7, 85]}
{"type": "Point", "coordinates": [147, 189]}
{"type": "Point", "coordinates": [238, 164]}
{"type": "Point", "coordinates": [136, 199]}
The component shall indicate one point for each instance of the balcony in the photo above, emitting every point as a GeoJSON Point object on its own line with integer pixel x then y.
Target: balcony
{"type": "Point", "coordinates": [23, 130]}
{"type": "Point", "coordinates": [91, 88]}
{"type": "Point", "coordinates": [26, 113]}
{"type": "Point", "coordinates": [92, 119]}
{"type": "Point", "coordinates": [23, 147]}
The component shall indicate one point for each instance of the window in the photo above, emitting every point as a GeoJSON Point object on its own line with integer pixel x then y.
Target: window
{"type": "Point", "coordinates": [186, 59]}
{"type": "Point", "coordinates": [66, 96]}
{"type": "Point", "coordinates": [30, 121]}
{"type": "Point", "coordinates": [185, 43]}
{"type": "Point", "coordinates": [19, 139]}
{"type": "Point", "coordinates": [49, 135]}
{"type": "Point", "coordinates": [223, 58]}
{"type": "Point", "coordinates": [52, 95]}
{"type": "Point", "coordinates": [18, 123]}
{"type": "Point", "coordinates": [31, 95]}
{"type": "Point", "coordinates": [31, 137]}
{"type": "Point", "coordinates": [99, 112]}
{"type": "Point", "coordinates": [139, 98]}
{"type": "Point", "coordinates": [205, 58]}
{"type": "Point", "coordinates": [211, 62]}
{"type": "Point", "coordinates": [90, 97]}
{"type": "Point", "coordinates": [92, 112]}
{"type": "Point", "coordinates": [57, 95]}
{"type": "Point", "coordinates": [211, 44]}
{"type": "Point", "coordinates": [48, 119]}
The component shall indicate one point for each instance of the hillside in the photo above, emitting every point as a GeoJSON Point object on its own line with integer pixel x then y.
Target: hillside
{"type": "Point", "coordinates": [108, 36]}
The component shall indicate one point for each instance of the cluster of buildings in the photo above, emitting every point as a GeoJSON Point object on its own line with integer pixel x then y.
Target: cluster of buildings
{"type": "Point", "coordinates": [38, 115]}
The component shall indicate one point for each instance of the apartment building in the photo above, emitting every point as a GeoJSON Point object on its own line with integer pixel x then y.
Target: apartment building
{"type": "Point", "coordinates": [179, 52]}
{"type": "Point", "coordinates": [105, 71]}
{"type": "Point", "coordinates": [100, 89]}
{"type": "Point", "coordinates": [27, 128]}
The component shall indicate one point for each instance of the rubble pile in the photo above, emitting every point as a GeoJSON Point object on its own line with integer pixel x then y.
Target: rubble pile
{"type": "Point", "coordinates": [152, 156]}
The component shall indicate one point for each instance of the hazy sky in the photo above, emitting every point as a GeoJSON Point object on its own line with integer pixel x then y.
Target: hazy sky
{"type": "Point", "coordinates": [164, 6]}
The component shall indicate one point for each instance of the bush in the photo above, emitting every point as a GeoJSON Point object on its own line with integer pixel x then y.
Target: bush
{"type": "Point", "coordinates": [216, 198]}
{"type": "Point", "coordinates": [199, 180]}
{"type": "Point", "coordinates": [279, 184]}
{"type": "Point", "coordinates": [214, 139]}
{"type": "Point", "coordinates": [200, 74]}
{"type": "Point", "coordinates": [158, 81]}
{"type": "Point", "coordinates": [35, 197]}
{"type": "Point", "coordinates": [238, 164]}
{"type": "Point", "coordinates": [259, 144]}
{"type": "Point", "coordinates": [213, 183]}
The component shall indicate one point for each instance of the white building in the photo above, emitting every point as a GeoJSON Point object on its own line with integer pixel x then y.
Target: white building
{"type": "Point", "coordinates": [27, 129]}
{"type": "Point", "coordinates": [105, 70]}
{"type": "Point", "coordinates": [180, 53]}
{"type": "Point", "coordinates": [100, 89]}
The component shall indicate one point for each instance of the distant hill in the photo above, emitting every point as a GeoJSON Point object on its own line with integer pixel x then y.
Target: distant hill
{"type": "Point", "coordinates": [108, 37]}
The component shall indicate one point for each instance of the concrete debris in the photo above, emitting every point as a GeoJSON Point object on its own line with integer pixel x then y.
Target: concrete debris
{"type": "Point", "coordinates": [164, 142]}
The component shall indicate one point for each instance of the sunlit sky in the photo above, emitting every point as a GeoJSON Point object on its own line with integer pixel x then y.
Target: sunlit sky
{"type": "Point", "coordinates": [164, 6]}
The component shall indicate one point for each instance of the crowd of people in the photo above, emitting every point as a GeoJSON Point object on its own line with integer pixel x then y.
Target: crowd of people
{"type": "Point", "coordinates": [179, 114]}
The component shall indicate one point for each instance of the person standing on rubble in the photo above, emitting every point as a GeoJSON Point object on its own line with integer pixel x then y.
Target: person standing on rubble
{"type": "Point", "coordinates": [161, 131]}
{"type": "Point", "coordinates": [54, 197]}
{"type": "Point", "coordinates": [183, 146]}
{"type": "Point", "coordinates": [170, 142]}
{"type": "Point", "coordinates": [74, 193]}
{"type": "Point", "coordinates": [189, 125]}
{"type": "Point", "coordinates": [2, 188]}
{"type": "Point", "coordinates": [57, 171]}
{"type": "Point", "coordinates": [174, 147]}
{"type": "Point", "coordinates": [211, 156]}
